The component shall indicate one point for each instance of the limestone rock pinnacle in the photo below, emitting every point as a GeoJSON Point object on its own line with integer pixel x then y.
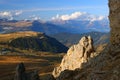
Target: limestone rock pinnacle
{"type": "Point", "coordinates": [76, 55]}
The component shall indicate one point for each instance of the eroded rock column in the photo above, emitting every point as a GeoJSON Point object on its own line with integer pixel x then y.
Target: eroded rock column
{"type": "Point", "coordinates": [76, 56]}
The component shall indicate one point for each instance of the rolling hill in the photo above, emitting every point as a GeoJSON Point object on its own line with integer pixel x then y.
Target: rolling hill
{"type": "Point", "coordinates": [32, 40]}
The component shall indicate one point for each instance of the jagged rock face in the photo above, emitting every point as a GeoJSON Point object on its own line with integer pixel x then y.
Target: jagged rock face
{"type": "Point", "coordinates": [106, 65]}
{"type": "Point", "coordinates": [114, 17]}
{"type": "Point", "coordinates": [76, 56]}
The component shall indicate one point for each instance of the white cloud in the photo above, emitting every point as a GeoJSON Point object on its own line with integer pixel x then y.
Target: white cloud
{"type": "Point", "coordinates": [97, 18]}
{"type": "Point", "coordinates": [78, 16]}
{"type": "Point", "coordinates": [72, 16]}
{"type": "Point", "coordinates": [10, 14]}
{"type": "Point", "coordinates": [34, 17]}
{"type": "Point", "coordinates": [5, 14]}
{"type": "Point", "coordinates": [101, 17]}
{"type": "Point", "coordinates": [17, 13]}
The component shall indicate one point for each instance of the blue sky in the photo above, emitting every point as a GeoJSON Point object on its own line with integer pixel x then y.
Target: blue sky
{"type": "Point", "coordinates": [46, 9]}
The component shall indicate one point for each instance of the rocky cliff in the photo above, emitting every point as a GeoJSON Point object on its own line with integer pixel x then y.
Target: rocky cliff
{"type": "Point", "coordinates": [76, 56]}
{"type": "Point", "coordinates": [106, 65]}
{"type": "Point", "coordinates": [114, 18]}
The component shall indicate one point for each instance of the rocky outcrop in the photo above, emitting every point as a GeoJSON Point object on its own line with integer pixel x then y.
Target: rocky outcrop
{"type": "Point", "coordinates": [114, 18]}
{"type": "Point", "coordinates": [106, 65]}
{"type": "Point", "coordinates": [76, 56]}
{"type": "Point", "coordinates": [22, 75]}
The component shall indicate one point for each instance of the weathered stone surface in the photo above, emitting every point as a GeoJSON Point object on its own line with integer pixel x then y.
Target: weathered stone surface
{"type": "Point", "coordinates": [106, 65]}
{"type": "Point", "coordinates": [76, 56]}
{"type": "Point", "coordinates": [114, 18]}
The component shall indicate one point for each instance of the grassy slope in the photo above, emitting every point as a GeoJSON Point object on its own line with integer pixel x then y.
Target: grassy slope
{"type": "Point", "coordinates": [7, 37]}
{"type": "Point", "coordinates": [45, 63]}
{"type": "Point", "coordinates": [31, 40]}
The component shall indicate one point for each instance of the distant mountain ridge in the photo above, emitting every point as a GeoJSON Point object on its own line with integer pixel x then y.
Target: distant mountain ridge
{"type": "Point", "coordinates": [69, 39]}
{"type": "Point", "coordinates": [53, 27]}
{"type": "Point", "coordinates": [7, 26]}
{"type": "Point", "coordinates": [83, 26]}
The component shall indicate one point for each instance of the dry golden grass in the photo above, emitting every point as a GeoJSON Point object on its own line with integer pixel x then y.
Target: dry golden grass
{"type": "Point", "coordinates": [17, 24]}
{"type": "Point", "coordinates": [18, 59]}
{"type": "Point", "coordinates": [8, 37]}
{"type": "Point", "coordinates": [44, 63]}
{"type": "Point", "coordinates": [101, 47]}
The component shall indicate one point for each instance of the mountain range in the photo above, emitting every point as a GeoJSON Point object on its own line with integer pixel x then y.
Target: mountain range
{"type": "Point", "coordinates": [54, 26]}
{"type": "Point", "coordinates": [69, 39]}
{"type": "Point", "coordinates": [84, 26]}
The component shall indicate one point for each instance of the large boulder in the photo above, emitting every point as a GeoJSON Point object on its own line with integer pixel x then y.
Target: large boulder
{"type": "Point", "coordinates": [76, 56]}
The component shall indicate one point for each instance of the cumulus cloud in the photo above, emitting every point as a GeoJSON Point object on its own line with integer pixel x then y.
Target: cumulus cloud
{"type": "Point", "coordinates": [96, 18]}
{"type": "Point", "coordinates": [72, 16]}
{"type": "Point", "coordinates": [34, 17]}
{"type": "Point", "coordinates": [78, 16]}
{"type": "Point", "coordinates": [10, 14]}
{"type": "Point", "coordinates": [5, 14]}
{"type": "Point", "coordinates": [17, 13]}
